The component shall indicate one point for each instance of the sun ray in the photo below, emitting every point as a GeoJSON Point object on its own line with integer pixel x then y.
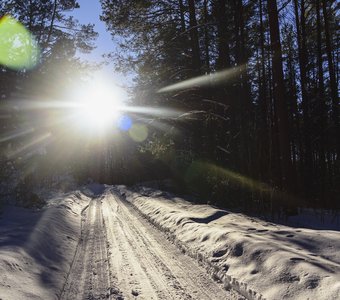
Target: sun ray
{"type": "Point", "coordinates": [31, 146]}
{"type": "Point", "coordinates": [212, 79]}
{"type": "Point", "coordinates": [153, 111]}
{"type": "Point", "coordinates": [15, 134]}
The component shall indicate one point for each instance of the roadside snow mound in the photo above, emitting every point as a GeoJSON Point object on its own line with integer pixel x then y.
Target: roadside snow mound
{"type": "Point", "coordinates": [278, 262]}
{"type": "Point", "coordinates": [37, 247]}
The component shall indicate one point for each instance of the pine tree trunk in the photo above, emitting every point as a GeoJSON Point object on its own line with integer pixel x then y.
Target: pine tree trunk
{"type": "Point", "coordinates": [182, 12]}
{"type": "Point", "coordinates": [54, 12]}
{"type": "Point", "coordinates": [196, 59]}
{"type": "Point", "coordinates": [307, 153]}
{"type": "Point", "coordinates": [279, 96]}
{"type": "Point", "coordinates": [263, 99]}
{"type": "Point", "coordinates": [206, 36]}
{"type": "Point", "coordinates": [332, 79]}
{"type": "Point", "coordinates": [223, 56]}
{"type": "Point", "coordinates": [321, 101]}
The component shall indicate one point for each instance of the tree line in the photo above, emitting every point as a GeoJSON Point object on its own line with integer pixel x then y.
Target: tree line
{"type": "Point", "coordinates": [263, 134]}
{"type": "Point", "coordinates": [240, 97]}
{"type": "Point", "coordinates": [27, 94]}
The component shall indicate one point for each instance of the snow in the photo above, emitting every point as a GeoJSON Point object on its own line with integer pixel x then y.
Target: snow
{"type": "Point", "coordinates": [37, 247]}
{"type": "Point", "coordinates": [258, 258]}
{"type": "Point", "coordinates": [261, 260]}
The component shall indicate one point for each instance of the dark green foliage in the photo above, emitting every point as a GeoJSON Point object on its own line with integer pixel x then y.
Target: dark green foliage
{"type": "Point", "coordinates": [274, 121]}
{"type": "Point", "coordinates": [59, 37]}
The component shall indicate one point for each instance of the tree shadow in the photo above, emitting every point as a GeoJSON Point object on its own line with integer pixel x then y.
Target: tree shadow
{"type": "Point", "coordinates": [213, 217]}
{"type": "Point", "coordinates": [45, 236]}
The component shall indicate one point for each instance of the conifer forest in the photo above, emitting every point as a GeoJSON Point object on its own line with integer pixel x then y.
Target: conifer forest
{"type": "Point", "coordinates": [238, 99]}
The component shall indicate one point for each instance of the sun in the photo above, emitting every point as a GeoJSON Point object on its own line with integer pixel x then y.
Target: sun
{"type": "Point", "coordinates": [99, 104]}
{"type": "Point", "coordinates": [99, 109]}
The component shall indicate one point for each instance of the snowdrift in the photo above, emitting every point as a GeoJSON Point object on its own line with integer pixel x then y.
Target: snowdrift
{"type": "Point", "coordinates": [37, 247]}
{"type": "Point", "coordinates": [261, 260]}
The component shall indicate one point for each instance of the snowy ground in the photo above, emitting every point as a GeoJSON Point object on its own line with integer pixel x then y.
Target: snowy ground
{"type": "Point", "coordinates": [91, 244]}
{"type": "Point", "coordinates": [37, 247]}
{"type": "Point", "coordinates": [275, 261]}
{"type": "Point", "coordinates": [95, 248]}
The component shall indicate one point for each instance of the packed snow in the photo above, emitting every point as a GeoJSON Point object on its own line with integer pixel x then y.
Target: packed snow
{"type": "Point", "coordinates": [37, 247]}
{"type": "Point", "coordinates": [260, 259]}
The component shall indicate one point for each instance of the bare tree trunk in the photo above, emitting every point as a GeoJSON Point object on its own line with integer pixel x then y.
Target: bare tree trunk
{"type": "Point", "coordinates": [196, 59]}
{"type": "Point", "coordinates": [206, 36]}
{"type": "Point", "coordinates": [279, 96]}
{"type": "Point", "coordinates": [307, 153]}
{"type": "Point", "coordinates": [223, 56]}
{"type": "Point", "coordinates": [52, 24]}
{"type": "Point", "coordinates": [263, 99]}
{"type": "Point", "coordinates": [182, 12]}
{"type": "Point", "coordinates": [332, 79]}
{"type": "Point", "coordinates": [321, 101]}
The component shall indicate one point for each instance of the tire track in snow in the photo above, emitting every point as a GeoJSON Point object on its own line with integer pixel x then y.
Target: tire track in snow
{"type": "Point", "coordinates": [89, 274]}
{"type": "Point", "coordinates": [124, 265]}
{"type": "Point", "coordinates": [122, 256]}
{"type": "Point", "coordinates": [154, 261]}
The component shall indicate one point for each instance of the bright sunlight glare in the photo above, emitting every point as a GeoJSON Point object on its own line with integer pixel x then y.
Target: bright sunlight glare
{"type": "Point", "coordinates": [99, 103]}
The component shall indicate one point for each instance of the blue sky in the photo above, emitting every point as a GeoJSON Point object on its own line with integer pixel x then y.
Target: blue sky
{"type": "Point", "coordinates": [89, 12]}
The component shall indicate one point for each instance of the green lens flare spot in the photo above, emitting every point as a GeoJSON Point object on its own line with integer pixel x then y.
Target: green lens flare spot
{"type": "Point", "coordinates": [138, 132]}
{"type": "Point", "coordinates": [18, 48]}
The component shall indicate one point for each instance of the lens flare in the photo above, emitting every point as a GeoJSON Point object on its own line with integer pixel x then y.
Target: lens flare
{"type": "Point", "coordinates": [138, 132]}
{"type": "Point", "coordinates": [124, 123]}
{"type": "Point", "coordinates": [209, 80]}
{"type": "Point", "coordinates": [18, 48]}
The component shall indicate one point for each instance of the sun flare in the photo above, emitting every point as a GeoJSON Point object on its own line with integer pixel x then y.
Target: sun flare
{"type": "Point", "coordinates": [99, 104]}
{"type": "Point", "coordinates": [99, 111]}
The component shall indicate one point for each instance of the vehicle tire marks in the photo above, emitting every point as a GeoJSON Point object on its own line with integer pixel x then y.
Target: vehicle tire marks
{"type": "Point", "coordinates": [171, 274]}
{"type": "Point", "coordinates": [123, 262]}
{"type": "Point", "coordinates": [154, 268]}
{"type": "Point", "coordinates": [121, 256]}
{"type": "Point", "coordinates": [89, 274]}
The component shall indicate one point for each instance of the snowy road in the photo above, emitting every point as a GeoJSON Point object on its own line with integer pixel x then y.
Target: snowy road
{"type": "Point", "coordinates": [90, 244]}
{"type": "Point", "coordinates": [121, 256]}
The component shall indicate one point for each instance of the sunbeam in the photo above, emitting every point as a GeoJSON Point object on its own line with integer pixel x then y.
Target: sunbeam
{"type": "Point", "coordinates": [241, 181]}
{"type": "Point", "coordinates": [153, 111]}
{"type": "Point", "coordinates": [31, 146]}
{"type": "Point", "coordinates": [15, 134]}
{"type": "Point", "coordinates": [212, 79]}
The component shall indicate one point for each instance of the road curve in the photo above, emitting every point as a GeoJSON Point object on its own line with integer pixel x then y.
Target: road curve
{"type": "Point", "coordinates": [122, 256]}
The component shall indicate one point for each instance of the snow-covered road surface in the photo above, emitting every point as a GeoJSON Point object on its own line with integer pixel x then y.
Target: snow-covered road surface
{"type": "Point", "coordinates": [89, 273]}
{"type": "Point", "coordinates": [112, 242]}
{"type": "Point", "coordinates": [121, 256]}
{"type": "Point", "coordinates": [259, 259]}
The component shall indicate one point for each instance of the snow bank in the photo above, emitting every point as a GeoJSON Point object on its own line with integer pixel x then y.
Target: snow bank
{"type": "Point", "coordinates": [276, 261]}
{"type": "Point", "coordinates": [37, 247]}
